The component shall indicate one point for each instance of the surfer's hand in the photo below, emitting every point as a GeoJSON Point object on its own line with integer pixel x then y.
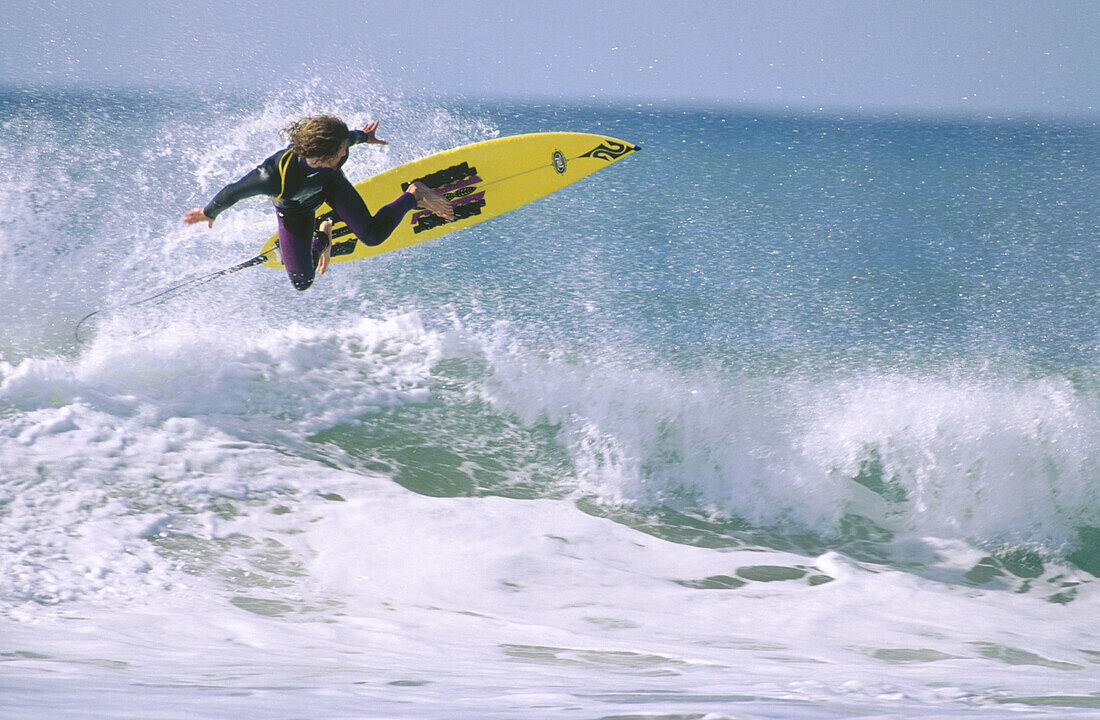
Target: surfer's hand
{"type": "Point", "coordinates": [368, 130]}
{"type": "Point", "coordinates": [197, 215]}
{"type": "Point", "coordinates": [432, 201]}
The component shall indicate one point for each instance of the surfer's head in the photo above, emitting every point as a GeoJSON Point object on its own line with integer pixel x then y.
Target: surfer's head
{"type": "Point", "coordinates": [319, 137]}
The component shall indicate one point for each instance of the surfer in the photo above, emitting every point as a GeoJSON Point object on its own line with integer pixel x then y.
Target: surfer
{"type": "Point", "coordinates": [307, 173]}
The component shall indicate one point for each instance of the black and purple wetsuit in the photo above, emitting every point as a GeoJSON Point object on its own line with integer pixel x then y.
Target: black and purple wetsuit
{"type": "Point", "coordinates": [297, 191]}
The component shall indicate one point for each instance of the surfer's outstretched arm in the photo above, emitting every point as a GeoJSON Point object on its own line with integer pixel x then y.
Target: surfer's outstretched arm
{"type": "Point", "coordinates": [374, 229]}
{"type": "Point", "coordinates": [263, 180]}
{"type": "Point", "coordinates": [370, 229]}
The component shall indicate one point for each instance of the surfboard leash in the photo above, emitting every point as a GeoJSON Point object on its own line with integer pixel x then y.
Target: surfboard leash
{"type": "Point", "coordinates": [170, 292]}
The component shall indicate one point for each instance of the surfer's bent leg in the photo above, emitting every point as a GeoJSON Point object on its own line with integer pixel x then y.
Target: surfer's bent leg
{"type": "Point", "coordinates": [370, 229]}
{"type": "Point", "coordinates": [296, 245]}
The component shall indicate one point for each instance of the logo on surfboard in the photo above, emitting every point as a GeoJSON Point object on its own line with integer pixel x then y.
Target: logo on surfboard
{"type": "Point", "coordinates": [559, 162]}
{"type": "Point", "coordinates": [459, 184]}
{"type": "Point", "coordinates": [609, 150]}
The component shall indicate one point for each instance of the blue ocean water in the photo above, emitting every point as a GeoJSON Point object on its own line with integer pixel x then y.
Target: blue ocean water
{"type": "Point", "coordinates": [783, 416]}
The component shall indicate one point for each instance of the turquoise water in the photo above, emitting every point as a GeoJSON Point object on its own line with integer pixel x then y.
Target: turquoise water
{"type": "Point", "coordinates": [784, 416]}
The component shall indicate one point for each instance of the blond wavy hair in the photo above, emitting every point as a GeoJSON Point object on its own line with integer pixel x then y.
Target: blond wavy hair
{"type": "Point", "coordinates": [319, 136]}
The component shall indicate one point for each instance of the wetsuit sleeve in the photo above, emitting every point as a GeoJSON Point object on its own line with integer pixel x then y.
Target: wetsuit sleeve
{"type": "Point", "coordinates": [386, 219]}
{"type": "Point", "coordinates": [261, 181]}
{"type": "Point", "coordinates": [355, 137]}
{"type": "Point", "coordinates": [370, 229]}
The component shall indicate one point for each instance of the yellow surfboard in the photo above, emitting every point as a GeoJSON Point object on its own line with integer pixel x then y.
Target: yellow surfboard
{"type": "Point", "coordinates": [482, 180]}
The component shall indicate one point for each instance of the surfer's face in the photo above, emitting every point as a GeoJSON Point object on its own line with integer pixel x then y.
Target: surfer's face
{"type": "Point", "coordinates": [332, 161]}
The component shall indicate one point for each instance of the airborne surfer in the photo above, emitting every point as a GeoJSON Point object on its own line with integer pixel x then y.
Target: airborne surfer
{"type": "Point", "coordinates": [307, 173]}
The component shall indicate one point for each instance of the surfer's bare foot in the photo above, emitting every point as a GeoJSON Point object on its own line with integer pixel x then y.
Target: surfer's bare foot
{"type": "Point", "coordinates": [432, 201]}
{"type": "Point", "coordinates": [322, 262]}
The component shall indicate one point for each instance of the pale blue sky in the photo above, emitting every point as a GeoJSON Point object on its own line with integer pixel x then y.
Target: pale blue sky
{"type": "Point", "coordinates": [982, 57]}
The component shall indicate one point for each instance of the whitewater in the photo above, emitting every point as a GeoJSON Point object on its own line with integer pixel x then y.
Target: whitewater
{"type": "Point", "coordinates": [786, 416]}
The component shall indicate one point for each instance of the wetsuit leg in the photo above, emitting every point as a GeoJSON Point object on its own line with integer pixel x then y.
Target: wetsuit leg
{"type": "Point", "coordinates": [296, 245]}
{"type": "Point", "coordinates": [370, 229]}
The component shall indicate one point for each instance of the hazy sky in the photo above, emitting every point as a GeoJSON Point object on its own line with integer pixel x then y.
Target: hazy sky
{"type": "Point", "coordinates": [1004, 58]}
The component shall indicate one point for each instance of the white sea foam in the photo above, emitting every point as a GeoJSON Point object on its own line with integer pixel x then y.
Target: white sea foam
{"type": "Point", "coordinates": [989, 458]}
{"type": "Point", "coordinates": [101, 448]}
{"type": "Point", "coordinates": [138, 485]}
